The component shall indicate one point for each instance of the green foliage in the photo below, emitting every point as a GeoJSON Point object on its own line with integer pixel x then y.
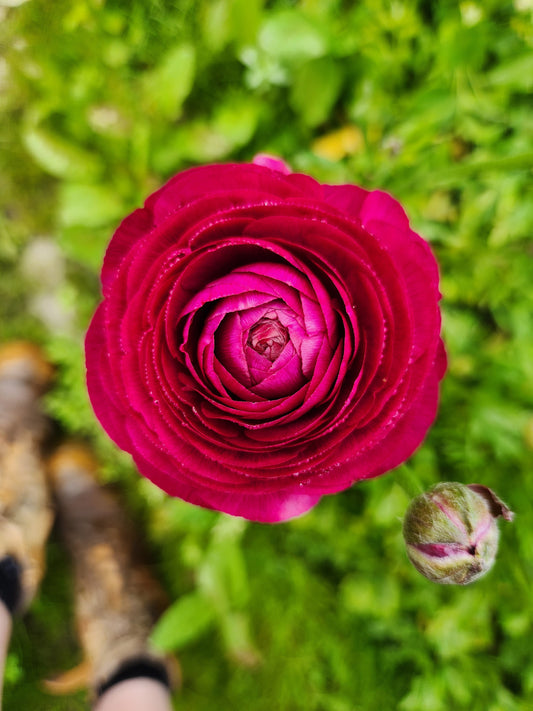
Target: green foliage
{"type": "Point", "coordinates": [59, 157]}
{"type": "Point", "coordinates": [165, 88]}
{"type": "Point", "coordinates": [185, 620]}
{"type": "Point", "coordinates": [315, 89]}
{"type": "Point", "coordinates": [102, 100]}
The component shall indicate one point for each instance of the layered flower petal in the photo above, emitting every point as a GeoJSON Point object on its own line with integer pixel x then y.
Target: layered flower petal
{"type": "Point", "coordinates": [264, 339]}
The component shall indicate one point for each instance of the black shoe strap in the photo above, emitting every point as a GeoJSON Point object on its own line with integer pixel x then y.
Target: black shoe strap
{"type": "Point", "coordinates": [135, 668]}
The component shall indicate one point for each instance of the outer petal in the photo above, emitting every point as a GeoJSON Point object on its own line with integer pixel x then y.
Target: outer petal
{"type": "Point", "coordinates": [263, 507]}
{"type": "Point", "coordinates": [401, 442]}
{"type": "Point", "coordinates": [100, 381]}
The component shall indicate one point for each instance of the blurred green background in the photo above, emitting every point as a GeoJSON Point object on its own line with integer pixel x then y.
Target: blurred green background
{"type": "Point", "coordinates": [100, 102]}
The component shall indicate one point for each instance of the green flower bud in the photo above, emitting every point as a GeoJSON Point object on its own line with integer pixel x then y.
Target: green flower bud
{"type": "Point", "coordinates": [451, 532]}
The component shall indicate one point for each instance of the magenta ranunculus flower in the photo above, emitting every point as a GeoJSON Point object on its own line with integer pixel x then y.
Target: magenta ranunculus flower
{"type": "Point", "coordinates": [264, 339]}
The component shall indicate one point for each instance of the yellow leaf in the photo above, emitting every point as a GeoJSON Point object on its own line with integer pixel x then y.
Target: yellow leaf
{"type": "Point", "coordinates": [340, 143]}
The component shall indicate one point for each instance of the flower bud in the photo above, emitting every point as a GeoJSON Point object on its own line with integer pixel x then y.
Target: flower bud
{"type": "Point", "coordinates": [451, 532]}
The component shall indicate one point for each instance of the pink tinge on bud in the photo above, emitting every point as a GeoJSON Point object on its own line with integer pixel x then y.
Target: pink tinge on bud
{"type": "Point", "coordinates": [272, 162]}
{"type": "Point", "coordinates": [451, 532]}
{"type": "Point", "coordinates": [448, 511]}
{"type": "Point", "coordinates": [441, 550]}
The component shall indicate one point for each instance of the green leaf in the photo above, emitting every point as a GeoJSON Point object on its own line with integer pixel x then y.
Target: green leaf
{"type": "Point", "coordinates": [196, 141]}
{"type": "Point", "coordinates": [245, 17]}
{"type": "Point", "coordinates": [290, 36]}
{"type": "Point", "coordinates": [425, 694]}
{"type": "Point", "coordinates": [515, 74]}
{"type": "Point", "coordinates": [58, 156]}
{"type": "Point", "coordinates": [236, 119]}
{"type": "Point", "coordinates": [235, 627]}
{"type": "Point", "coordinates": [223, 576]}
{"type": "Point", "coordinates": [184, 621]}
{"type": "Point", "coordinates": [315, 89]}
{"type": "Point", "coordinates": [166, 87]}
{"type": "Point", "coordinates": [216, 24]}
{"type": "Point", "coordinates": [88, 205]}
{"type": "Point", "coordinates": [232, 126]}
{"type": "Point", "coordinates": [462, 628]}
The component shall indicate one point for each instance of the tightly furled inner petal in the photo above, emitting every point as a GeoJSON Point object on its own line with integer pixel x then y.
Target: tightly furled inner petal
{"type": "Point", "coordinates": [268, 336]}
{"type": "Point", "coordinates": [259, 334]}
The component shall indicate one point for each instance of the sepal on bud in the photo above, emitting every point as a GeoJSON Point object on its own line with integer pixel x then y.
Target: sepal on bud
{"type": "Point", "coordinates": [451, 532]}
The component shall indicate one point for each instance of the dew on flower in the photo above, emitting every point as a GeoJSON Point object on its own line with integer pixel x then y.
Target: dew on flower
{"type": "Point", "coordinates": [275, 343]}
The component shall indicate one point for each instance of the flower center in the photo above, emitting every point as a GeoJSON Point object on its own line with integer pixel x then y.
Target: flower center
{"type": "Point", "coordinates": [268, 337]}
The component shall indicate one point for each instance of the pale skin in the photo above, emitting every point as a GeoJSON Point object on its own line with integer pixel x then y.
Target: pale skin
{"type": "Point", "coordinates": [135, 695]}
{"type": "Point", "coordinates": [132, 695]}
